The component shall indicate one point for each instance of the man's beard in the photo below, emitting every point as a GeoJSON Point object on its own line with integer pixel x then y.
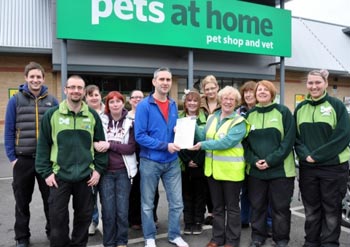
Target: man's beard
{"type": "Point", "coordinates": [76, 100]}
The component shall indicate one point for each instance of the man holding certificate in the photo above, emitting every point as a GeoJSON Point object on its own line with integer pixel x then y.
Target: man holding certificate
{"type": "Point", "coordinates": [155, 120]}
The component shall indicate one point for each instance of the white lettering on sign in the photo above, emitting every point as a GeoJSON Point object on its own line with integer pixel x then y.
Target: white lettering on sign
{"type": "Point", "coordinates": [127, 10]}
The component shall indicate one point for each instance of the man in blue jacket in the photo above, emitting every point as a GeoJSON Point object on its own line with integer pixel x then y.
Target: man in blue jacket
{"type": "Point", "coordinates": [23, 115]}
{"type": "Point", "coordinates": [155, 120]}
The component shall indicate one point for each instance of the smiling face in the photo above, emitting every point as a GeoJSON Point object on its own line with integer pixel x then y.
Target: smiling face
{"type": "Point", "coordinates": [74, 90]}
{"type": "Point", "coordinates": [192, 106]}
{"type": "Point", "coordinates": [192, 103]}
{"type": "Point", "coordinates": [249, 98]}
{"type": "Point", "coordinates": [35, 80]}
{"type": "Point", "coordinates": [316, 86]}
{"type": "Point", "coordinates": [211, 90]}
{"type": "Point", "coordinates": [228, 103]}
{"type": "Point", "coordinates": [135, 97]}
{"type": "Point", "coordinates": [263, 95]}
{"type": "Point", "coordinates": [94, 99]}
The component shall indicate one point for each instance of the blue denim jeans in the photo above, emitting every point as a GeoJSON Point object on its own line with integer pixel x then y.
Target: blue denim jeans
{"type": "Point", "coordinates": [114, 194]}
{"type": "Point", "coordinates": [170, 173]}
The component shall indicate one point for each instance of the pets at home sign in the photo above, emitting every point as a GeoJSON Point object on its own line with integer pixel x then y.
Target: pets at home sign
{"type": "Point", "coordinates": [225, 25]}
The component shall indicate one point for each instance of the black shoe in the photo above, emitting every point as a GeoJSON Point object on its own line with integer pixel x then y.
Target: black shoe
{"type": "Point", "coordinates": [197, 229]}
{"type": "Point", "coordinates": [245, 225]}
{"type": "Point", "coordinates": [188, 229]}
{"type": "Point", "coordinates": [269, 232]}
{"type": "Point", "coordinates": [256, 244]}
{"type": "Point", "coordinates": [282, 243]}
{"type": "Point", "coordinates": [22, 243]}
{"type": "Point", "coordinates": [208, 220]}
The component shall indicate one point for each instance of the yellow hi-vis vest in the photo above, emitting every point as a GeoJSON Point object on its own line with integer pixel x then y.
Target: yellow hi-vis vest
{"type": "Point", "coordinates": [228, 164]}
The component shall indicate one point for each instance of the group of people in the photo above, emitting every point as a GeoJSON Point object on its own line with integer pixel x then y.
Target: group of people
{"type": "Point", "coordinates": [250, 151]}
{"type": "Point", "coordinates": [242, 153]}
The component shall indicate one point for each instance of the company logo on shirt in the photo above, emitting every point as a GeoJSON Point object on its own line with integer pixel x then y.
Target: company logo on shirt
{"type": "Point", "coordinates": [326, 111]}
{"type": "Point", "coordinates": [62, 120]}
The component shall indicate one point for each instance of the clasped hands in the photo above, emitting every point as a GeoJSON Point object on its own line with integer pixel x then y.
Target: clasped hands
{"type": "Point", "coordinates": [261, 165]}
{"type": "Point", "coordinates": [101, 146]}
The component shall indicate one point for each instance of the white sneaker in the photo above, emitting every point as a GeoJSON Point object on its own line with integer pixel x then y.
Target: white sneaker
{"type": "Point", "coordinates": [92, 228]}
{"type": "Point", "coordinates": [179, 242]}
{"type": "Point", "coordinates": [150, 243]}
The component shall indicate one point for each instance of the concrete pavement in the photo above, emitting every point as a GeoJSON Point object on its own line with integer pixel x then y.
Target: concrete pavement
{"type": "Point", "coordinates": [37, 224]}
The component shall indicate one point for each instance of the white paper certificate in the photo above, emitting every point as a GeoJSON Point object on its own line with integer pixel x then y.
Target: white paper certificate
{"type": "Point", "coordinates": [184, 135]}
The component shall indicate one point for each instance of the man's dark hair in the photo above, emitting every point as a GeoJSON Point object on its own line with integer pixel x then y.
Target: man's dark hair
{"type": "Point", "coordinates": [33, 65]}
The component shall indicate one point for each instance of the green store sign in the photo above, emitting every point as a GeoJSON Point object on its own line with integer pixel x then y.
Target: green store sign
{"type": "Point", "coordinates": [226, 25]}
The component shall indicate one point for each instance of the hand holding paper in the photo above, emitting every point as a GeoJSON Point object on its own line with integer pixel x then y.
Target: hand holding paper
{"type": "Point", "coordinates": [184, 135]}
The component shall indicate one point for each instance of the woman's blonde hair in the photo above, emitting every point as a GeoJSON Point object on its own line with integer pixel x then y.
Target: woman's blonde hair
{"type": "Point", "coordinates": [209, 79]}
{"type": "Point", "coordinates": [322, 73]}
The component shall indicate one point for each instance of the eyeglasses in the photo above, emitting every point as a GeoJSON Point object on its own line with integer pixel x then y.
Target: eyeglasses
{"type": "Point", "coordinates": [228, 99]}
{"type": "Point", "coordinates": [136, 97]}
{"type": "Point", "coordinates": [210, 89]}
{"type": "Point", "coordinates": [75, 87]}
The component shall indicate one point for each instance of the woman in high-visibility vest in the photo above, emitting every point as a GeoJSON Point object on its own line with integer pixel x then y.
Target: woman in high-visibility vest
{"type": "Point", "coordinates": [224, 166]}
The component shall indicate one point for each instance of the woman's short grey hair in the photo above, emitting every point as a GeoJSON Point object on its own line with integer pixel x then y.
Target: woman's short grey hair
{"type": "Point", "coordinates": [229, 90]}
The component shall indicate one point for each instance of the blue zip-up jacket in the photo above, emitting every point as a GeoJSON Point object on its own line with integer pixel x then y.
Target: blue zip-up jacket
{"type": "Point", "coordinates": [153, 132]}
{"type": "Point", "coordinates": [12, 134]}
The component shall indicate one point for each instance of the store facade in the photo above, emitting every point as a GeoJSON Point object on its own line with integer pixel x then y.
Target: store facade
{"type": "Point", "coordinates": [123, 38]}
{"type": "Point", "coordinates": [193, 39]}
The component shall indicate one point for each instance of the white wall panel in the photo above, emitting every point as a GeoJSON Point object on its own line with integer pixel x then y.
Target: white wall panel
{"type": "Point", "coordinates": [25, 24]}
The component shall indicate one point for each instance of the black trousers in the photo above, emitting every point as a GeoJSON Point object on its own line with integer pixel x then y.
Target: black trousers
{"type": "Point", "coordinates": [276, 193]}
{"type": "Point", "coordinates": [208, 200]}
{"type": "Point", "coordinates": [59, 214]}
{"type": "Point", "coordinates": [24, 176]}
{"type": "Point", "coordinates": [322, 190]}
{"type": "Point", "coordinates": [194, 198]}
{"type": "Point", "coordinates": [226, 211]}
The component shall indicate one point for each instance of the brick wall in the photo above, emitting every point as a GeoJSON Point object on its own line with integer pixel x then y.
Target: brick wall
{"type": "Point", "coordinates": [12, 75]}
{"type": "Point", "coordinates": [295, 84]}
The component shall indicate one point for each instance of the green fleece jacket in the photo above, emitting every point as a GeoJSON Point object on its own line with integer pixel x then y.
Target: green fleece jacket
{"type": "Point", "coordinates": [271, 138]}
{"type": "Point", "coordinates": [65, 145]}
{"type": "Point", "coordinates": [323, 131]}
